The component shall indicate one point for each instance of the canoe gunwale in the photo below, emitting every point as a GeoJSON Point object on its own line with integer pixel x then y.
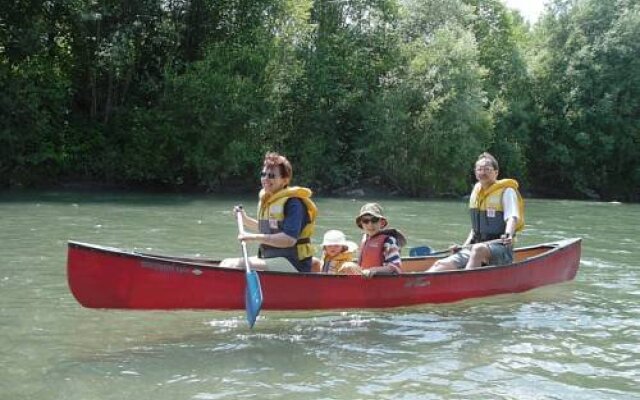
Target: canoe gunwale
{"type": "Point", "coordinates": [552, 247]}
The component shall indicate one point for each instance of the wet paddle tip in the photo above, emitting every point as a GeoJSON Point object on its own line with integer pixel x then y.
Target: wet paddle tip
{"type": "Point", "coordinates": [253, 297]}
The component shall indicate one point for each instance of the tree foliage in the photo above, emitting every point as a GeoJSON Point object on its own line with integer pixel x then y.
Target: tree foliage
{"type": "Point", "coordinates": [587, 89]}
{"type": "Point", "coordinates": [501, 38]}
{"type": "Point", "coordinates": [430, 120]}
{"type": "Point", "coordinates": [402, 94]}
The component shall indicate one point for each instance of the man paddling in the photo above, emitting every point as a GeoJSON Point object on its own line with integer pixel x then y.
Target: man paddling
{"type": "Point", "coordinates": [497, 211]}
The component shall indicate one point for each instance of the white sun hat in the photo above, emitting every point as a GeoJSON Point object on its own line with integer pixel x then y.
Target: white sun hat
{"type": "Point", "coordinates": [337, 238]}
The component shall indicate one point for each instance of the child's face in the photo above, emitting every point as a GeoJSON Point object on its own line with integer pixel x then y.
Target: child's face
{"type": "Point", "coordinates": [333, 250]}
{"type": "Point", "coordinates": [370, 224]}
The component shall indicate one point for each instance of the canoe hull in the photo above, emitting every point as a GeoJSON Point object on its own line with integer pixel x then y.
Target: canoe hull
{"type": "Point", "coordinates": [102, 277]}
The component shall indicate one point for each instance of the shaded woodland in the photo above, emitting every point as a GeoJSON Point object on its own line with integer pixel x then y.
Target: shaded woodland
{"type": "Point", "coordinates": [403, 94]}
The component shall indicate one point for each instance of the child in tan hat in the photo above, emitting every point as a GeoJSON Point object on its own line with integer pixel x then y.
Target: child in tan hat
{"type": "Point", "coordinates": [380, 248]}
{"type": "Point", "coordinates": [336, 250]}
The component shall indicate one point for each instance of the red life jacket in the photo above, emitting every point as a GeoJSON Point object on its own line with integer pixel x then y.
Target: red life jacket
{"type": "Point", "coordinates": [372, 251]}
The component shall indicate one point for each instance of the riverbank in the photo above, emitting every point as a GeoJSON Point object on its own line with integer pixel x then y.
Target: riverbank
{"type": "Point", "coordinates": [367, 189]}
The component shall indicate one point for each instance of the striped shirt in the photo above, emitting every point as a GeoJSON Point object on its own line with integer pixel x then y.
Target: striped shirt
{"type": "Point", "coordinates": [391, 252]}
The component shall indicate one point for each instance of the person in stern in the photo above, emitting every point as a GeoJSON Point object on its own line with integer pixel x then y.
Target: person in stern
{"type": "Point", "coordinates": [497, 213]}
{"type": "Point", "coordinates": [336, 251]}
{"type": "Point", "coordinates": [286, 220]}
{"type": "Point", "coordinates": [380, 247]}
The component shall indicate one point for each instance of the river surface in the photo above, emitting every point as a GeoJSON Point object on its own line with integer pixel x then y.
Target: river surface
{"type": "Point", "coordinates": [578, 340]}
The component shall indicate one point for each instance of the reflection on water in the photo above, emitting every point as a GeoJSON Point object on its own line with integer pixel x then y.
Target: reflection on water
{"type": "Point", "coordinates": [571, 341]}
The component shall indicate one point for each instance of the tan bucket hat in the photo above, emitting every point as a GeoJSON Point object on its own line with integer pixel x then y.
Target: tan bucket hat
{"type": "Point", "coordinates": [373, 209]}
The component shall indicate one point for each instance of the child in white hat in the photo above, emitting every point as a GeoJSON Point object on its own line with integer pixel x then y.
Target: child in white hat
{"type": "Point", "coordinates": [336, 250]}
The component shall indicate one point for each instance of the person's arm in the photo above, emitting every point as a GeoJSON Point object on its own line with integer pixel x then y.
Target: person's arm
{"type": "Point", "coordinates": [510, 207]}
{"type": "Point", "coordinates": [292, 226]}
{"type": "Point", "coordinates": [509, 232]}
{"type": "Point", "coordinates": [392, 263]}
{"type": "Point", "coordinates": [281, 240]}
{"type": "Point", "coordinates": [384, 269]}
{"type": "Point", "coordinates": [247, 221]}
{"type": "Point", "coordinates": [469, 238]}
{"type": "Point", "coordinates": [454, 248]}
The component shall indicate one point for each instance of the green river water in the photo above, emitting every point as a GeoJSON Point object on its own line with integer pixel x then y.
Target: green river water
{"type": "Point", "coordinates": [579, 340]}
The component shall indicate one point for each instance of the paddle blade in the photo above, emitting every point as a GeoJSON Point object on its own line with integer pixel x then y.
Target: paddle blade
{"type": "Point", "coordinates": [253, 297]}
{"type": "Point", "coordinates": [420, 251]}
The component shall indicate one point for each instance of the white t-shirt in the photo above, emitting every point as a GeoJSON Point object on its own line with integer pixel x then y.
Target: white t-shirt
{"type": "Point", "coordinates": [510, 204]}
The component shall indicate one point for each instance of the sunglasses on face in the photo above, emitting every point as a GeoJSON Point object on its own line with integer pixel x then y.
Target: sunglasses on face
{"type": "Point", "coordinates": [366, 220]}
{"type": "Point", "coordinates": [483, 169]}
{"type": "Point", "coordinates": [268, 175]}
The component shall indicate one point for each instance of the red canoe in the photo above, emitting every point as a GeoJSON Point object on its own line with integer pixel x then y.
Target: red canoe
{"type": "Point", "coordinates": [104, 277]}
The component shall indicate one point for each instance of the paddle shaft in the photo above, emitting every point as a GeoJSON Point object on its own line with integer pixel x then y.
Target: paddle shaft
{"type": "Point", "coordinates": [468, 246]}
{"type": "Point", "coordinates": [243, 243]}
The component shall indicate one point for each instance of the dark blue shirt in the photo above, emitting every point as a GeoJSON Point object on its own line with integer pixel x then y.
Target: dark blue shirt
{"type": "Point", "coordinates": [296, 218]}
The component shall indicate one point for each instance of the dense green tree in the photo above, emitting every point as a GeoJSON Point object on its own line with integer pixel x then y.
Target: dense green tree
{"type": "Point", "coordinates": [349, 46]}
{"type": "Point", "coordinates": [217, 113]}
{"type": "Point", "coordinates": [501, 37]}
{"type": "Point", "coordinates": [431, 121]}
{"type": "Point", "coordinates": [34, 88]}
{"type": "Point", "coordinates": [588, 94]}
{"type": "Point", "coordinates": [401, 93]}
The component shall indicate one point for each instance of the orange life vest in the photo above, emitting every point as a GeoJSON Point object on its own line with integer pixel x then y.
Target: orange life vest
{"type": "Point", "coordinates": [372, 251]}
{"type": "Point", "coordinates": [332, 265]}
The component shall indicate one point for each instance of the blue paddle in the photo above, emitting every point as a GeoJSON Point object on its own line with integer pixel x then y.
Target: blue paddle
{"type": "Point", "coordinates": [420, 251]}
{"type": "Point", "coordinates": [253, 291]}
{"type": "Point", "coordinates": [423, 251]}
